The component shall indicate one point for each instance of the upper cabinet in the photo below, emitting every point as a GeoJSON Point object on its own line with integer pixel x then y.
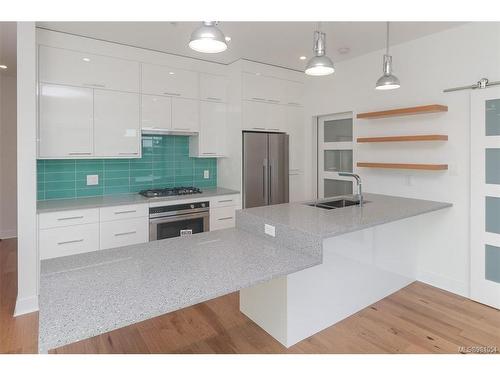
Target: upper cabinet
{"type": "Point", "coordinates": [257, 87]}
{"type": "Point", "coordinates": [66, 67]}
{"type": "Point", "coordinates": [211, 140]}
{"type": "Point", "coordinates": [117, 126]}
{"type": "Point", "coordinates": [265, 117]}
{"type": "Point", "coordinates": [213, 87]}
{"type": "Point", "coordinates": [163, 80]}
{"type": "Point", "coordinates": [294, 92]}
{"type": "Point", "coordinates": [66, 122]}
{"type": "Point", "coordinates": [156, 112]}
{"type": "Point", "coordinates": [185, 115]}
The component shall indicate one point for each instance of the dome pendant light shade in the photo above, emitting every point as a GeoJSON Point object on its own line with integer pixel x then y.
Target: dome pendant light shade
{"type": "Point", "coordinates": [208, 39]}
{"type": "Point", "coordinates": [388, 81]}
{"type": "Point", "coordinates": [319, 64]}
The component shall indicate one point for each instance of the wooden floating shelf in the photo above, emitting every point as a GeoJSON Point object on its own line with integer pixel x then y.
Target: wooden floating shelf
{"type": "Point", "coordinates": [432, 108]}
{"type": "Point", "coordinates": [426, 167]}
{"type": "Point", "coordinates": [404, 138]}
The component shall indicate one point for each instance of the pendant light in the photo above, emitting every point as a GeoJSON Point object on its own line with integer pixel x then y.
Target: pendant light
{"type": "Point", "coordinates": [388, 81]}
{"type": "Point", "coordinates": [208, 38]}
{"type": "Point", "coordinates": [319, 64]}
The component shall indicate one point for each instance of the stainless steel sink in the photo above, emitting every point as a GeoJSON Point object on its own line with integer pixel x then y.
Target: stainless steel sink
{"type": "Point", "coordinates": [335, 203]}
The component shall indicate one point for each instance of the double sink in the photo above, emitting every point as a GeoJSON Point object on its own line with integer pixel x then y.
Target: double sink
{"type": "Point", "coordinates": [335, 203]}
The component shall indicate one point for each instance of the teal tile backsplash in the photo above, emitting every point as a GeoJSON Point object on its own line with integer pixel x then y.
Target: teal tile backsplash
{"type": "Point", "coordinates": [165, 162]}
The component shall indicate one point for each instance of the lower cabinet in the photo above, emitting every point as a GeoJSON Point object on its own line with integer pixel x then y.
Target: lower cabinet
{"type": "Point", "coordinates": [222, 217]}
{"type": "Point", "coordinates": [123, 232]}
{"type": "Point", "coordinates": [63, 241]}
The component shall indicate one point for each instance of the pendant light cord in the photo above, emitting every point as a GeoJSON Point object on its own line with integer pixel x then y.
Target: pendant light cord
{"type": "Point", "coordinates": [387, 39]}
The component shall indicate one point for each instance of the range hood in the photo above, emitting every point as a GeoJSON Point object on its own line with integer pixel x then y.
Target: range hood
{"type": "Point", "coordinates": [160, 131]}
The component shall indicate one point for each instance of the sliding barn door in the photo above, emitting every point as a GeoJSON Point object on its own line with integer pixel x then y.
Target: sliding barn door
{"type": "Point", "coordinates": [485, 196]}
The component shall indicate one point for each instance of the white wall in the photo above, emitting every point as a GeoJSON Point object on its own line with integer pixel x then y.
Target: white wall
{"type": "Point", "coordinates": [8, 186]}
{"type": "Point", "coordinates": [27, 253]}
{"type": "Point", "coordinates": [425, 66]}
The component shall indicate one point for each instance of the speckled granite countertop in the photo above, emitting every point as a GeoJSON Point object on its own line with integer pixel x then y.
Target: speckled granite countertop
{"type": "Point", "coordinates": [378, 209]}
{"type": "Point", "coordinates": [88, 294]}
{"type": "Point", "coordinates": [122, 199]}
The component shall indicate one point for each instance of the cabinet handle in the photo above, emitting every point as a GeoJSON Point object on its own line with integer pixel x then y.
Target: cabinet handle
{"type": "Point", "coordinates": [69, 218]}
{"type": "Point", "coordinates": [172, 93]}
{"type": "Point", "coordinates": [274, 129]}
{"type": "Point", "coordinates": [127, 153]}
{"type": "Point", "coordinates": [259, 128]}
{"type": "Point", "coordinates": [273, 101]}
{"type": "Point", "coordinates": [293, 103]}
{"type": "Point", "coordinates": [225, 200]}
{"type": "Point", "coordinates": [225, 218]}
{"type": "Point", "coordinates": [72, 241]}
{"type": "Point", "coordinates": [213, 98]}
{"type": "Point", "coordinates": [259, 99]}
{"type": "Point", "coordinates": [182, 129]}
{"type": "Point", "coordinates": [125, 212]}
{"type": "Point", "coordinates": [125, 233]}
{"type": "Point", "coordinates": [94, 85]}
{"type": "Point", "coordinates": [79, 153]}
{"type": "Point", "coordinates": [209, 153]}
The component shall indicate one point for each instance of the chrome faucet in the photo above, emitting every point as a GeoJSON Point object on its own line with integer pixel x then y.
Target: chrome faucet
{"type": "Point", "coordinates": [359, 194]}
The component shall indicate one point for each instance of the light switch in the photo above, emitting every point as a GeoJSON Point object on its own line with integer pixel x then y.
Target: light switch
{"type": "Point", "coordinates": [92, 179]}
{"type": "Point", "coordinates": [206, 173]}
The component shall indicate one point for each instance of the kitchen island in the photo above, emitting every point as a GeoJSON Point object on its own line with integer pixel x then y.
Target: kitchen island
{"type": "Point", "coordinates": [284, 279]}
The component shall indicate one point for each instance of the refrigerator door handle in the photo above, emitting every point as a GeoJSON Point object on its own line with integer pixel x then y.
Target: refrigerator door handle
{"type": "Point", "coordinates": [270, 183]}
{"type": "Point", "coordinates": [263, 181]}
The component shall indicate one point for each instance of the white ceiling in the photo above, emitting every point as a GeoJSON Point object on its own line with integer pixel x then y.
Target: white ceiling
{"type": "Point", "coordinates": [8, 48]}
{"type": "Point", "coordinates": [277, 43]}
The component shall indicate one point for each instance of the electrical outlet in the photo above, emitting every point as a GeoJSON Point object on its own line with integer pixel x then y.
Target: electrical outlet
{"type": "Point", "coordinates": [270, 230]}
{"type": "Point", "coordinates": [206, 173]}
{"type": "Point", "coordinates": [92, 179]}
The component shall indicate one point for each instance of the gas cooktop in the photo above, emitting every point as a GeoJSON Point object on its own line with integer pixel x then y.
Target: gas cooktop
{"type": "Point", "coordinates": [169, 192]}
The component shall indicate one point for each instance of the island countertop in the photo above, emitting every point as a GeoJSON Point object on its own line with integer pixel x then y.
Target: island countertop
{"type": "Point", "coordinates": [377, 209]}
{"type": "Point", "coordinates": [88, 294]}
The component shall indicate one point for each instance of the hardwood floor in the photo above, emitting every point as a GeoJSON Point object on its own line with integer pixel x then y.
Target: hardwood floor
{"type": "Point", "coordinates": [417, 319]}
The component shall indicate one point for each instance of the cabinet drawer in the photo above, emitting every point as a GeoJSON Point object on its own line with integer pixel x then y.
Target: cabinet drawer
{"type": "Point", "coordinates": [66, 218]}
{"type": "Point", "coordinates": [76, 239]}
{"type": "Point", "coordinates": [225, 200]}
{"type": "Point", "coordinates": [124, 232]}
{"type": "Point", "coordinates": [222, 218]}
{"type": "Point", "coordinates": [124, 212]}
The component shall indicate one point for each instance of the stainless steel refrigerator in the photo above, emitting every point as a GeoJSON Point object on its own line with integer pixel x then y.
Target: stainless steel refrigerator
{"type": "Point", "coordinates": [265, 169]}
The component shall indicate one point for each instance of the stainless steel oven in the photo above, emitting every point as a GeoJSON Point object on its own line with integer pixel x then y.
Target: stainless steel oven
{"type": "Point", "coordinates": [178, 220]}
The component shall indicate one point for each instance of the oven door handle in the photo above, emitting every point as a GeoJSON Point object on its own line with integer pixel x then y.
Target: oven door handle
{"type": "Point", "coordinates": [170, 219]}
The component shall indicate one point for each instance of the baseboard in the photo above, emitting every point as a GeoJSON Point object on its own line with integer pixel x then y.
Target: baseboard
{"type": "Point", "coordinates": [26, 305]}
{"type": "Point", "coordinates": [442, 282]}
{"type": "Point", "coordinates": [8, 233]}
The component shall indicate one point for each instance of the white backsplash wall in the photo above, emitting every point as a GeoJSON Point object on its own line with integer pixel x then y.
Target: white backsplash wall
{"type": "Point", "coordinates": [425, 66]}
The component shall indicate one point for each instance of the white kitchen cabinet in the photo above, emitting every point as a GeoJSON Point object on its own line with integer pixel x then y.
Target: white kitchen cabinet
{"type": "Point", "coordinates": [117, 124]}
{"type": "Point", "coordinates": [70, 240]}
{"type": "Point", "coordinates": [295, 128]}
{"type": "Point", "coordinates": [294, 92]}
{"type": "Point", "coordinates": [62, 66]}
{"type": "Point", "coordinates": [68, 218]}
{"type": "Point", "coordinates": [124, 212]}
{"type": "Point", "coordinates": [164, 80]}
{"type": "Point", "coordinates": [123, 232]}
{"type": "Point", "coordinates": [263, 88]}
{"type": "Point", "coordinates": [211, 140]}
{"type": "Point", "coordinates": [156, 112]}
{"type": "Point", "coordinates": [185, 115]}
{"type": "Point", "coordinates": [258, 116]}
{"type": "Point", "coordinates": [65, 122]}
{"type": "Point", "coordinates": [213, 87]}
{"type": "Point", "coordinates": [222, 218]}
